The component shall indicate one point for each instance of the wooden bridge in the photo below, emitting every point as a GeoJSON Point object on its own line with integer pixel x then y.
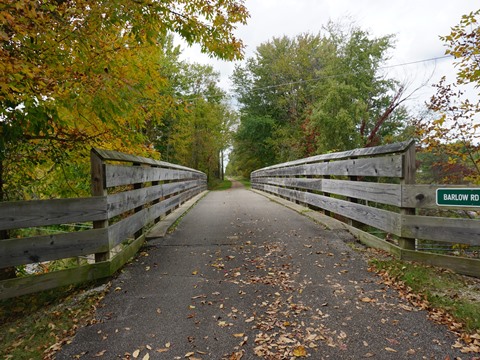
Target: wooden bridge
{"type": "Point", "coordinates": [360, 190]}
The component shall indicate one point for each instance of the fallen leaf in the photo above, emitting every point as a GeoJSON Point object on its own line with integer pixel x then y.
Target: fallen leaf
{"type": "Point", "coordinates": [390, 349]}
{"type": "Point", "coordinates": [136, 353]}
{"type": "Point", "coordinates": [146, 357]}
{"type": "Point", "coordinates": [99, 354]}
{"type": "Point", "coordinates": [405, 307]}
{"type": "Point", "coordinates": [367, 299]}
{"type": "Point", "coordinates": [189, 354]}
{"type": "Point", "coordinates": [299, 351]}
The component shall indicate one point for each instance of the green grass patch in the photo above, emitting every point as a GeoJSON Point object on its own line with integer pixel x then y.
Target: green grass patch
{"type": "Point", "coordinates": [220, 185]}
{"type": "Point", "coordinates": [245, 182]}
{"type": "Point", "coordinates": [35, 326]}
{"type": "Point", "coordinates": [458, 295]}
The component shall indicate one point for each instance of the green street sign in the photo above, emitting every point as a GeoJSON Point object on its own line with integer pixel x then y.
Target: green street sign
{"type": "Point", "coordinates": [458, 197]}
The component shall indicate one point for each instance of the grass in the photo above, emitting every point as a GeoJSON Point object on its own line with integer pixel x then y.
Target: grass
{"type": "Point", "coordinates": [245, 182]}
{"type": "Point", "coordinates": [35, 326]}
{"type": "Point", "coordinates": [220, 185]}
{"type": "Point", "coordinates": [455, 294]}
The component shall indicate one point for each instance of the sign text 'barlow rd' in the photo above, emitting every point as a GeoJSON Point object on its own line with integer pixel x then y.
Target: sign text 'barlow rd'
{"type": "Point", "coordinates": [458, 197]}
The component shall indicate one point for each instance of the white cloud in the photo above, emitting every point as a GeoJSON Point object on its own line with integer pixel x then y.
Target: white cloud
{"type": "Point", "coordinates": [417, 26]}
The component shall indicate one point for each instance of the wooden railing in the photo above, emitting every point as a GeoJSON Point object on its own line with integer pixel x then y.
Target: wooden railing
{"type": "Point", "coordinates": [375, 187]}
{"type": "Point", "coordinates": [130, 194]}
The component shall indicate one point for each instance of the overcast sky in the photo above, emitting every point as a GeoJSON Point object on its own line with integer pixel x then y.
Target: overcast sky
{"type": "Point", "coordinates": [416, 25]}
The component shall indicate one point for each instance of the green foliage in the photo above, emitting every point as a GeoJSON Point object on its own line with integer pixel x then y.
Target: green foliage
{"type": "Point", "coordinates": [220, 185]}
{"type": "Point", "coordinates": [313, 94]}
{"type": "Point", "coordinates": [254, 143]}
{"type": "Point", "coordinates": [76, 74]}
{"type": "Point", "coordinates": [200, 131]}
{"type": "Point", "coordinates": [453, 132]}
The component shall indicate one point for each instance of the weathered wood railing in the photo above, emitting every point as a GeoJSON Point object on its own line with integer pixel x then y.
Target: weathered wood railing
{"type": "Point", "coordinates": [375, 187]}
{"type": "Point", "coordinates": [130, 194]}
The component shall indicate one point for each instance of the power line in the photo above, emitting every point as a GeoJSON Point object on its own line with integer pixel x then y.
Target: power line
{"type": "Point", "coordinates": [417, 62]}
{"type": "Point", "coordinates": [346, 73]}
{"type": "Point", "coordinates": [227, 95]}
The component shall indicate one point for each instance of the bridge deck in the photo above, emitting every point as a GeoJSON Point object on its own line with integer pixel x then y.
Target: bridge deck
{"type": "Point", "coordinates": [244, 276]}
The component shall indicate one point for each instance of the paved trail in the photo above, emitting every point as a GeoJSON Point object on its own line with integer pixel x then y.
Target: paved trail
{"type": "Point", "coordinates": [244, 277]}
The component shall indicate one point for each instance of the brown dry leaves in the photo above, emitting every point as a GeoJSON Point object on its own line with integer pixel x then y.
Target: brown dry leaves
{"type": "Point", "coordinates": [284, 328]}
{"type": "Point", "coordinates": [467, 343]}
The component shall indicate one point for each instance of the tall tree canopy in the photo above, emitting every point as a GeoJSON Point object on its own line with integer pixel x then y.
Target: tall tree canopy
{"type": "Point", "coordinates": [315, 93]}
{"type": "Point", "coordinates": [197, 135]}
{"type": "Point", "coordinates": [76, 73]}
{"type": "Point", "coordinates": [452, 133]}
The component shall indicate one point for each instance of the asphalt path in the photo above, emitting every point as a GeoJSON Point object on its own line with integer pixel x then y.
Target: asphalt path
{"type": "Point", "coordinates": [243, 277]}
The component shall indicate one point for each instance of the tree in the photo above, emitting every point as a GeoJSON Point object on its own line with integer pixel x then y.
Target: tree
{"type": "Point", "coordinates": [74, 61]}
{"type": "Point", "coordinates": [77, 73]}
{"type": "Point", "coordinates": [253, 144]}
{"type": "Point", "coordinates": [321, 92]}
{"type": "Point", "coordinates": [201, 130]}
{"type": "Point", "coordinates": [454, 131]}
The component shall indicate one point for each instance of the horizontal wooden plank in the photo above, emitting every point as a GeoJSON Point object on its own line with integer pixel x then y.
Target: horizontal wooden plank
{"type": "Point", "coordinates": [128, 200]}
{"type": "Point", "coordinates": [381, 193]}
{"type": "Point", "coordinates": [127, 227]}
{"type": "Point", "coordinates": [14, 252]}
{"type": "Point", "coordinates": [371, 151]}
{"type": "Point", "coordinates": [118, 175]}
{"type": "Point", "coordinates": [160, 229]}
{"type": "Point", "coordinates": [35, 283]}
{"type": "Point", "coordinates": [378, 218]}
{"type": "Point", "coordinates": [126, 254]}
{"type": "Point", "coordinates": [460, 265]}
{"type": "Point", "coordinates": [170, 204]}
{"type": "Point", "coordinates": [25, 214]}
{"type": "Point", "coordinates": [109, 155]}
{"type": "Point", "coordinates": [300, 183]}
{"type": "Point", "coordinates": [424, 196]}
{"type": "Point", "coordinates": [386, 166]}
{"type": "Point", "coordinates": [374, 241]}
{"type": "Point", "coordinates": [464, 231]}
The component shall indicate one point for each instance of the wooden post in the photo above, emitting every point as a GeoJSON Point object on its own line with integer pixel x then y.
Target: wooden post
{"type": "Point", "coordinates": [326, 212]}
{"type": "Point", "coordinates": [351, 222]}
{"type": "Point", "coordinates": [139, 208]}
{"type": "Point", "coordinates": [409, 170]}
{"type": "Point", "coordinates": [156, 201]}
{"type": "Point", "coordinates": [99, 188]}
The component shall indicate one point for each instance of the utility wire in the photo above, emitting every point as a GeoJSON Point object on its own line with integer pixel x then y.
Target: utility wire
{"type": "Point", "coordinates": [227, 95]}
{"type": "Point", "coordinates": [346, 73]}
